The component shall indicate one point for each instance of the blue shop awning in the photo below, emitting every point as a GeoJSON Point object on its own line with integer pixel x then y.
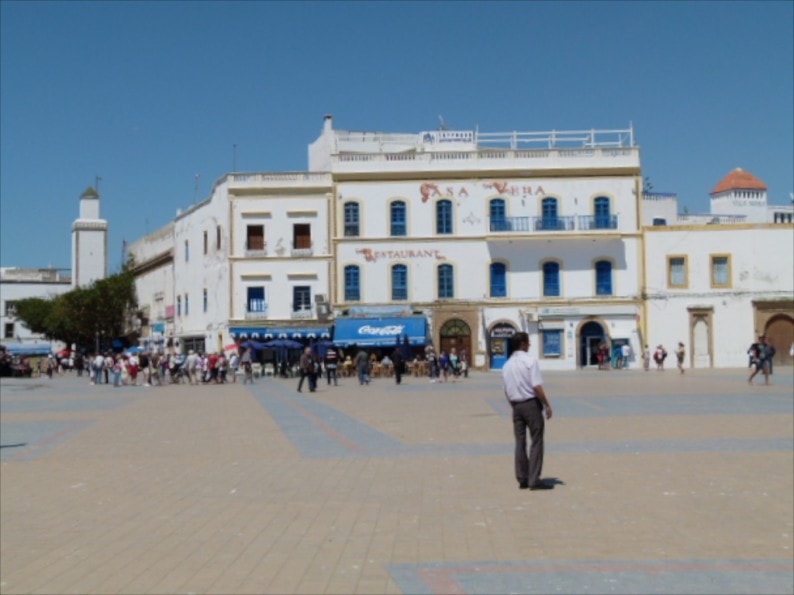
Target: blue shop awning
{"type": "Point", "coordinates": [267, 333]}
{"type": "Point", "coordinates": [380, 332]}
{"type": "Point", "coordinates": [28, 348]}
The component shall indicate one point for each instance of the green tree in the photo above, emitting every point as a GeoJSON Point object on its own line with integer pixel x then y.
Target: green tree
{"type": "Point", "coordinates": [102, 310]}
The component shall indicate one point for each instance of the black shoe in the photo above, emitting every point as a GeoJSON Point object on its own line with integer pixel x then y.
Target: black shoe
{"type": "Point", "coordinates": [523, 485]}
{"type": "Point", "coordinates": [542, 486]}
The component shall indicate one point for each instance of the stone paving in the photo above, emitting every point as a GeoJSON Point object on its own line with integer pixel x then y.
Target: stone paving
{"type": "Point", "coordinates": [664, 484]}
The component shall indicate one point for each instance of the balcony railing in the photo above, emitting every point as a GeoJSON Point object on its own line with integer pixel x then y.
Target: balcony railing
{"type": "Point", "coordinates": [258, 253]}
{"type": "Point", "coordinates": [553, 224]}
{"type": "Point", "coordinates": [303, 313]}
{"type": "Point", "coordinates": [255, 309]}
{"type": "Point", "coordinates": [302, 252]}
{"type": "Point", "coordinates": [590, 222]}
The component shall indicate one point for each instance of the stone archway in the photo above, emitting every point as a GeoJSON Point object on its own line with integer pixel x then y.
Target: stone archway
{"type": "Point", "coordinates": [779, 332]}
{"type": "Point", "coordinates": [455, 333]}
{"type": "Point", "coordinates": [591, 335]}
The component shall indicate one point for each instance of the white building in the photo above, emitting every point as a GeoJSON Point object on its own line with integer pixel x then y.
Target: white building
{"type": "Point", "coordinates": [718, 280]}
{"type": "Point", "coordinates": [89, 242]}
{"type": "Point", "coordinates": [460, 239]}
{"type": "Point", "coordinates": [18, 284]}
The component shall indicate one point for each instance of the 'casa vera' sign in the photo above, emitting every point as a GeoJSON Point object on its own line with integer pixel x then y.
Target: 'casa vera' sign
{"type": "Point", "coordinates": [430, 190]}
{"type": "Point", "coordinates": [371, 255]}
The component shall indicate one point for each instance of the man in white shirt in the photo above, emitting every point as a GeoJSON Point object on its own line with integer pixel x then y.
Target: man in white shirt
{"type": "Point", "coordinates": [523, 386]}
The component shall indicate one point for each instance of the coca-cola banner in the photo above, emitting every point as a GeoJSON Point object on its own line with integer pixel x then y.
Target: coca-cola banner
{"type": "Point", "coordinates": [380, 332]}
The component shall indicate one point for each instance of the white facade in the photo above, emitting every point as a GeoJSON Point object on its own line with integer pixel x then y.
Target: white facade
{"type": "Point", "coordinates": [18, 284]}
{"type": "Point", "coordinates": [480, 235]}
{"type": "Point", "coordinates": [717, 287]}
{"type": "Point", "coordinates": [89, 242]}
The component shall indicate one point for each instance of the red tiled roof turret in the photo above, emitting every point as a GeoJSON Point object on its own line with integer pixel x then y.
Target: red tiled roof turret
{"type": "Point", "coordinates": [738, 179]}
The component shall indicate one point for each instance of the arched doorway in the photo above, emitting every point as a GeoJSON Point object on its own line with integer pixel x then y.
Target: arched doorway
{"type": "Point", "coordinates": [499, 344]}
{"type": "Point", "coordinates": [779, 332]}
{"type": "Point", "coordinates": [591, 335]}
{"type": "Point", "coordinates": [456, 334]}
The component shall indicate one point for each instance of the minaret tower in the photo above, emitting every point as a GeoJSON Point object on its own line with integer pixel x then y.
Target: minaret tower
{"type": "Point", "coordinates": [89, 242]}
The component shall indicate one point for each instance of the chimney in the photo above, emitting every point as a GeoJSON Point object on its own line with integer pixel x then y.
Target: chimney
{"type": "Point", "coordinates": [328, 122]}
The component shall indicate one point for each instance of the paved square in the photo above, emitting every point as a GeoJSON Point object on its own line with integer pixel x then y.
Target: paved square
{"type": "Point", "coordinates": [665, 484]}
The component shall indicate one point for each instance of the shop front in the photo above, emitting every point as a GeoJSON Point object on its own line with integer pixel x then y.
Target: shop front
{"type": "Point", "coordinates": [241, 333]}
{"type": "Point", "coordinates": [381, 332]}
{"type": "Point", "coordinates": [499, 344]}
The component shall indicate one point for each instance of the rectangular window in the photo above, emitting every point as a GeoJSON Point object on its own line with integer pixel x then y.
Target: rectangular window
{"type": "Point", "coordinates": [218, 238]}
{"type": "Point", "coordinates": [399, 282]}
{"type": "Point", "coordinates": [187, 251]}
{"type": "Point", "coordinates": [552, 343]}
{"type": "Point", "coordinates": [187, 305]}
{"type": "Point", "coordinates": [446, 282]}
{"type": "Point", "coordinates": [179, 305]}
{"type": "Point", "coordinates": [8, 332]}
{"type": "Point", "coordinates": [301, 298]}
{"type": "Point", "coordinates": [302, 236]}
{"type": "Point", "coordinates": [206, 303]}
{"type": "Point", "coordinates": [720, 270]}
{"type": "Point", "coordinates": [352, 292]}
{"type": "Point", "coordinates": [206, 243]}
{"type": "Point", "coordinates": [255, 237]}
{"type": "Point", "coordinates": [11, 308]}
{"type": "Point", "coordinates": [255, 300]}
{"type": "Point", "coordinates": [677, 271]}
{"type": "Point", "coordinates": [351, 220]}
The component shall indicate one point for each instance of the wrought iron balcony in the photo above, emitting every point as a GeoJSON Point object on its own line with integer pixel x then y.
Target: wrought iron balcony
{"type": "Point", "coordinates": [553, 224]}
{"type": "Point", "coordinates": [303, 313]}
{"type": "Point", "coordinates": [591, 222]}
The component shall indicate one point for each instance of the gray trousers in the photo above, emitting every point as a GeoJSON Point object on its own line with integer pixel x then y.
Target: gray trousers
{"type": "Point", "coordinates": [528, 415]}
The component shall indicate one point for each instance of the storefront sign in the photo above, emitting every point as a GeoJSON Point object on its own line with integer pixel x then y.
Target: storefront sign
{"type": "Point", "coordinates": [430, 190]}
{"type": "Point", "coordinates": [371, 255]}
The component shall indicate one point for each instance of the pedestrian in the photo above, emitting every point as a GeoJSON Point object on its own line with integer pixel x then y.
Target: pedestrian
{"type": "Point", "coordinates": [454, 364]}
{"type": "Point", "coordinates": [646, 359]}
{"type": "Point", "coordinates": [248, 369]}
{"type": "Point", "coordinates": [234, 363]}
{"type": "Point", "coordinates": [443, 362]}
{"type": "Point", "coordinates": [659, 356]}
{"type": "Point", "coordinates": [625, 354]}
{"type": "Point", "coordinates": [760, 358]}
{"type": "Point", "coordinates": [432, 365]}
{"type": "Point", "coordinates": [315, 370]}
{"type": "Point", "coordinates": [144, 363]}
{"type": "Point", "coordinates": [398, 364]}
{"type": "Point", "coordinates": [464, 363]}
{"type": "Point", "coordinates": [523, 387]}
{"type": "Point", "coordinates": [97, 366]}
{"type": "Point", "coordinates": [331, 362]}
{"type": "Point", "coordinates": [362, 367]}
{"type": "Point", "coordinates": [305, 362]}
{"type": "Point", "coordinates": [680, 353]}
{"type": "Point", "coordinates": [116, 371]}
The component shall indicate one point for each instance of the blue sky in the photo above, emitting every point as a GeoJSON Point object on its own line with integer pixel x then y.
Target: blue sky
{"type": "Point", "coordinates": [148, 95]}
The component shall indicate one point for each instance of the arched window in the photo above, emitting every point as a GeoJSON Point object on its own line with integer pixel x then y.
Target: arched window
{"type": "Point", "coordinates": [551, 279]}
{"type": "Point", "coordinates": [444, 217]}
{"type": "Point", "coordinates": [603, 215]}
{"type": "Point", "coordinates": [549, 219]}
{"type": "Point", "coordinates": [603, 271]}
{"type": "Point", "coordinates": [398, 223]}
{"type": "Point", "coordinates": [399, 282]}
{"type": "Point", "coordinates": [352, 283]}
{"type": "Point", "coordinates": [497, 214]}
{"type": "Point", "coordinates": [498, 273]}
{"type": "Point", "coordinates": [446, 281]}
{"type": "Point", "coordinates": [351, 219]}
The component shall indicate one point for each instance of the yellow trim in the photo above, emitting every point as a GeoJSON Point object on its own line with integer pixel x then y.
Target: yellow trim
{"type": "Point", "coordinates": [256, 277]}
{"type": "Point", "coordinates": [407, 202]}
{"type": "Point", "coordinates": [507, 278]}
{"type": "Point", "coordinates": [302, 276]}
{"type": "Point", "coordinates": [728, 227]}
{"type": "Point", "coordinates": [341, 273]}
{"type": "Point", "coordinates": [407, 280]}
{"type": "Point", "coordinates": [727, 258]}
{"type": "Point", "coordinates": [558, 200]}
{"type": "Point", "coordinates": [606, 195]}
{"type": "Point", "coordinates": [302, 213]}
{"type": "Point", "coordinates": [670, 284]}
{"type": "Point", "coordinates": [341, 232]}
{"type": "Point", "coordinates": [542, 279]}
{"type": "Point", "coordinates": [250, 214]}
{"type": "Point", "coordinates": [451, 200]}
{"type": "Point", "coordinates": [454, 282]}
{"type": "Point", "coordinates": [613, 279]}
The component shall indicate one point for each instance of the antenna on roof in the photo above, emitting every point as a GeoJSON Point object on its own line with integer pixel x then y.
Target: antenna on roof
{"type": "Point", "coordinates": [441, 124]}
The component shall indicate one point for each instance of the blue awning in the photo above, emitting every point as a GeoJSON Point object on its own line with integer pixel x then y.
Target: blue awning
{"type": "Point", "coordinates": [380, 332]}
{"type": "Point", "coordinates": [28, 348]}
{"type": "Point", "coordinates": [267, 333]}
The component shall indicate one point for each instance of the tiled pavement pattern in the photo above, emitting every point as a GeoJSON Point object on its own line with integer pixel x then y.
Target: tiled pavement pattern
{"type": "Point", "coordinates": [665, 484]}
